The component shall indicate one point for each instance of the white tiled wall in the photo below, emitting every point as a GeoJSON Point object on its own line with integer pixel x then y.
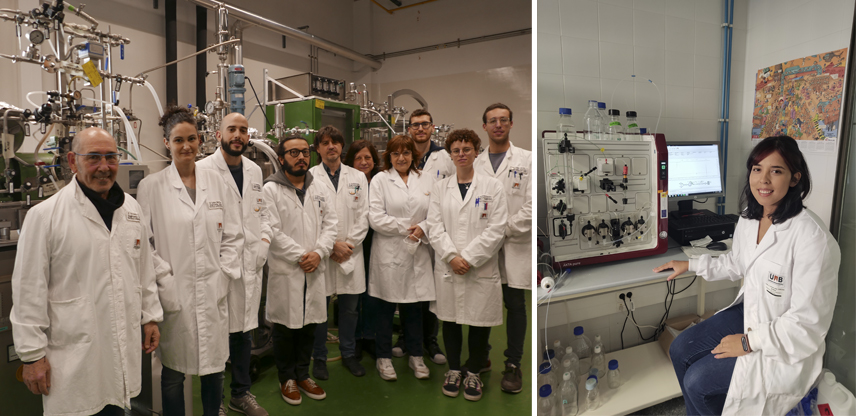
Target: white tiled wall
{"type": "Point", "coordinates": [783, 30]}
{"type": "Point", "coordinates": [587, 48]}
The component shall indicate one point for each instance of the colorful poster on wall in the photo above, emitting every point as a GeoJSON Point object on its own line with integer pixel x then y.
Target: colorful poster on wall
{"type": "Point", "coordinates": [801, 98]}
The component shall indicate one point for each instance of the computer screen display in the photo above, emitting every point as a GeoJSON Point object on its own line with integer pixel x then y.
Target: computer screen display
{"type": "Point", "coordinates": [694, 170]}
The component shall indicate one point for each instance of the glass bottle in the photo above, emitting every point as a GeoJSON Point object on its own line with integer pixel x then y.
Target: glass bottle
{"type": "Point", "coordinates": [568, 395]}
{"type": "Point", "coordinates": [613, 378]}
{"type": "Point", "coordinates": [558, 350]}
{"type": "Point", "coordinates": [632, 127]}
{"type": "Point", "coordinates": [582, 344]}
{"type": "Point", "coordinates": [572, 359]}
{"type": "Point", "coordinates": [565, 128]}
{"type": "Point", "coordinates": [592, 396]}
{"type": "Point", "coordinates": [598, 360]}
{"type": "Point", "coordinates": [546, 375]}
{"type": "Point", "coordinates": [545, 401]}
{"type": "Point", "coordinates": [593, 122]}
{"type": "Point", "coordinates": [614, 129]}
{"type": "Point", "coordinates": [598, 341]}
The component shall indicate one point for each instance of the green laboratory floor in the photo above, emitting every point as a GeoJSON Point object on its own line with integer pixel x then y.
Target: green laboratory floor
{"type": "Point", "coordinates": [348, 395]}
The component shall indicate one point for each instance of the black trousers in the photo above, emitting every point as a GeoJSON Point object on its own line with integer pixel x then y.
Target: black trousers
{"type": "Point", "coordinates": [292, 351]}
{"type": "Point", "coordinates": [240, 355]}
{"type": "Point", "coordinates": [411, 320]}
{"type": "Point", "coordinates": [430, 325]}
{"type": "Point", "coordinates": [477, 339]}
{"type": "Point", "coordinates": [515, 323]}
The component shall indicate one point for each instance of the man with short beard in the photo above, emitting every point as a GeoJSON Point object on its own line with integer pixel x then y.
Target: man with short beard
{"type": "Point", "coordinates": [244, 178]}
{"type": "Point", "coordinates": [345, 274]}
{"type": "Point", "coordinates": [303, 225]}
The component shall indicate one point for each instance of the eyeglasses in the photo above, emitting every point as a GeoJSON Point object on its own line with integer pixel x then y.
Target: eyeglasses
{"type": "Point", "coordinates": [424, 125]}
{"type": "Point", "coordinates": [298, 152]}
{"type": "Point", "coordinates": [504, 121]}
{"type": "Point", "coordinates": [406, 153]}
{"type": "Point", "coordinates": [466, 151]}
{"type": "Point", "coordinates": [94, 158]}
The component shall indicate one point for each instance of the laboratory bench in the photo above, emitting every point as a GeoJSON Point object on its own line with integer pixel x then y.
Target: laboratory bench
{"type": "Point", "coordinates": [647, 374]}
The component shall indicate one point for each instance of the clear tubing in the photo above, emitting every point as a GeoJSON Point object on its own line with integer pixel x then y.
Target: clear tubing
{"type": "Point", "coordinates": [41, 142]}
{"type": "Point", "coordinates": [128, 129]}
{"type": "Point", "coordinates": [31, 93]}
{"type": "Point", "coordinates": [155, 96]}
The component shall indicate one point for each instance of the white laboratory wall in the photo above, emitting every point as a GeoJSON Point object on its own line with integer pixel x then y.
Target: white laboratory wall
{"type": "Point", "coordinates": [458, 82]}
{"type": "Point", "coordinates": [588, 50]}
{"type": "Point", "coordinates": [784, 30]}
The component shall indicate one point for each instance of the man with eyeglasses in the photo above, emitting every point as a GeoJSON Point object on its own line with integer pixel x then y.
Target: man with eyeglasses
{"type": "Point", "coordinates": [243, 177]}
{"type": "Point", "coordinates": [83, 286]}
{"type": "Point", "coordinates": [436, 164]}
{"type": "Point", "coordinates": [513, 167]}
{"type": "Point", "coordinates": [303, 225]}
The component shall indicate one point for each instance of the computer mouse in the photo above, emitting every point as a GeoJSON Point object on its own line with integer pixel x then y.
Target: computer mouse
{"type": "Point", "coordinates": [717, 246]}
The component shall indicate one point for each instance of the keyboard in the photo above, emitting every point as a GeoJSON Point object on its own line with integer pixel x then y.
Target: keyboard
{"type": "Point", "coordinates": [706, 220]}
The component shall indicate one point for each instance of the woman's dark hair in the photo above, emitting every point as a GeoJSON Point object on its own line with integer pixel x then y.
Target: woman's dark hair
{"type": "Point", "coordinates": [792, 203]}
{"type": "Point", "coordinates": [398, 144]}
{"type": "Point", "coordinates": [462, 135]}
{"type": "Point", "coordinates": [360, 145]}
{"type": "Point", "coordinates": [173, 116]}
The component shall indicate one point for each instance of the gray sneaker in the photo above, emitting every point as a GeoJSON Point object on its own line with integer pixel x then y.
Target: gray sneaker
{"type": "Point", "coordinates": [223, 411]}
{"type": "Point", "coordinates": [247, 405]}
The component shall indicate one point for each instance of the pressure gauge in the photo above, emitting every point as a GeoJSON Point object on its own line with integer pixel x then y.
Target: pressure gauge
{"type": "Point", "coordinates": [209, 107]}
{"type": "Point", "coordinates": [36, 36]}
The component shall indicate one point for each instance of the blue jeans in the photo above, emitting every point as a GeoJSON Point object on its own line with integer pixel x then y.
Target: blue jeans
{"type": "Point", "coordinates": [348, 316]}
{"type": "Point", "coordinates": [240, 353]}
{"type": "Point", "coordinates": [172, 391]}
{"type": "Point", "coordinates": [704, 379]}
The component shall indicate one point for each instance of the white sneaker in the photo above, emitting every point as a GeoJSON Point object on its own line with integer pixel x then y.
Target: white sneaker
{"type": "Point", "coordinates": [386, 370]}
{"type": "Point", "coordinates": [419, 368]}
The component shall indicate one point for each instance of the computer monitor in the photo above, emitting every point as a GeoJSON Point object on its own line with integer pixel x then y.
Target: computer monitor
{"type": "Point", "coordinates": [695, 171]}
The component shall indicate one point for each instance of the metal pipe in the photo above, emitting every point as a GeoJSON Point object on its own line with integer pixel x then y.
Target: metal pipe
{"type": "Point", "coordinates": [187, 57]}
{"type": "Point", "coordinates": [291, 32]}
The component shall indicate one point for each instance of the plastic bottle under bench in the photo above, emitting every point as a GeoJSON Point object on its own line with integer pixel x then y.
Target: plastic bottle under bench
{"type": "Point", "coordinates": [546, 401]}
{"type": "Point", "coordinates": [582, 346]}
{"type": "Point", "coordinates": [833, 398]}
{"type": "Point", "coordinates": [568, 395]}
{"type": "Point", "coordinates": [592, 394]}
{"type": "Point", "coordinates": [613, 377]}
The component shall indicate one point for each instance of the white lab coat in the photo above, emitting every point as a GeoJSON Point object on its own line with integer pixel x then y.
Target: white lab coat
{"type": "Point", "coordinates": [515, 257]}
{"type": "Point", "coordinates": [195, 256]}
{"type": "Point", "coordinates": [439, 166]}
{"type": "Point", "coordinates": [472, 228]}
{"type": "Point", "coordinates": [352, 208]}
{"type": "Point", "coordinates": [395, 275]}
{"type": "Point", "coordinates": [789, 290]}
{"type": "Point", "coordinates": [294, 298]}
{"type": "Point", "coordinates": [80, 293]}
{"type": "Point", "coordinates": [245, 293]}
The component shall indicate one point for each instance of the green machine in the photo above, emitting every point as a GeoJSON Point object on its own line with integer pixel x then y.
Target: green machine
{"type": "Point", "coordinates": [314, 113]}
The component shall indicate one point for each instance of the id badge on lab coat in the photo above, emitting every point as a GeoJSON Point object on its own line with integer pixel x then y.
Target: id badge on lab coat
{"type": "Point", "coordinates": [482, 202]}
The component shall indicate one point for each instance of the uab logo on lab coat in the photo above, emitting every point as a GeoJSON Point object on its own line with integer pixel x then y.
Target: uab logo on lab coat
{"type": "Point", "coordinates": [775, 285]}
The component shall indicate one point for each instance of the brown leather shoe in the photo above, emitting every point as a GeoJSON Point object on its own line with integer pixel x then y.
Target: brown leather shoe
{"type": "Point", "coordinates": [312, 390]}
{"type": "Point", "coordinates": [290, 393]}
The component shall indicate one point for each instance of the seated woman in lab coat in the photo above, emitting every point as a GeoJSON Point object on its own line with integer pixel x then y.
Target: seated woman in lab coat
{"type": "Point", "coordinates": [762, 354]}
{"type": "Point", "coordinates": [398, 206]}
{"type": "Point", "coordinates": [466, 222]}
{"type": "Point", "coordinates": [363, 157]}
{"type": "Point", "coordinates": [197, 232]}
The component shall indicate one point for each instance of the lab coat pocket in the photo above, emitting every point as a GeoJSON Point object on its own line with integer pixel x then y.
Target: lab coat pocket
{"type": "Point", "coordinates": [168, 294]}
{"type": "Point", "coordinates": [215, 225]}
{"type": "Point", "coordinates": [780, 378]}
{"type": "Point", "coordinates": [132, 236]}
{"type": "Point", "coordinates": [776, 287]}
{"type": "Point", "coordinates": [71, 320]}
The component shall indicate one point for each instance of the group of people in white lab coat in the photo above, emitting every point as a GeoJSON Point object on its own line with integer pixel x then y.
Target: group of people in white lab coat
{"type": "Point", "coordinates": [180, 271]}
{"type": "Point", "coordinates": [761, 354]}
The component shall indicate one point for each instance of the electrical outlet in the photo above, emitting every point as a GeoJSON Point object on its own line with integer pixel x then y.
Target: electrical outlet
{"type": "Point", "coordinates": [621, 307]}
